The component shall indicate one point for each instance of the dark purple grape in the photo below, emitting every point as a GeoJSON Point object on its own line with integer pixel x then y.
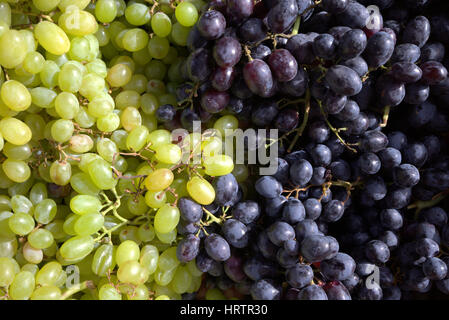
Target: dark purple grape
{"type": "Point", "coordinates": [217, 247]}
{"type": "Point", "coordinates": [416, 93]}
{"type": "Point", "coordinates": [421, 114]}
{"type": "Point", "coordinates": [227, 52]}
{"type": "Point", "coordinates": [188, 116]}
{"type": "Point", "coordinates": [301, 172]}
{"type": "Point", "coordinates": [340, 267]}
{"type": "Point", "coordinates": [282, 16]}
{"type": "Point", "coordinates": [239, 9]}
{"type": "Point", "coordinates": [432, 52]}
{"type": "Point", "coordinates": [358, 64]}
{"type": "Point", "coordinates": [235, 232]}
{"type": "Point", "coordinates": [343, 80]}
{"type": "Point", "coordinates": [165, 113]}
{"type": "Point", "coordinates": [406, 72]}
{"type": "Point", "coordinates": [391, 92]}
{"type": "Point", "coordinates": [297, 86]}
{"type": "Point", "coordinates": [299, 276]}
{"type": "Point", "coordinates": [211, 24]}
{"type": "Point", "coordinates": [352, 44]}
{"type": "Point", "coordinates": [287, 120]}
{"type": "Point", "coordinates": [199, 65]}
{"type": "Point", "coordinates": [252, 30]}
{"type": "Point", "coordinates": [258, 77]}
{"type": "Point", "coordinates": [301, 46]}
{"type": "Point", "coordinates": [406, 52]}
{"type": "Point", "coordinates": [260, 52]}
{"type": "Point", "coordinates": [318, 131]}
{"type": "Point", "coordinates": [349, 112]}
{"type": "Point", "coordinates": [339, 31]}
{"type": "Point", "coordinates": [373, 141]}
{"type": "Point", "coordinates": [188, 248]}
{"type": "Point", "coordinates": [417, 31]}
{"type": "Point", "coordinates": [416, 154]}
{"type": "Point", "coordinates": [376, 188]}
{"type": "Point", "coordinates": [433, 72]}
{"type": "Point", "coordinates": [265, 113]}
{"type": "Point", "coordinates": [377, 252]}
{"type": "Point", "coordinates": [283, 65]}
{"type": "Point", "coordinates": [222, 78]}
{"type": "Point", "coordinates": [312, 292]}
{"type": "Point", "coordinates": [334, 6]}
{"type": "Point", "coordinates": [369, 163]}
{"type": "Point", "coordinates": [355, 15]}
{"type": "Point", "coordinates": [233, 267]}
{"type": "Point", "coordinates": [195, 40]}
{"type": "Point", "coordinates": [264, 290]}
{"type": "Point", "coordinates": [334, 103]}
{"type": "Point", "coordinates": [214, 101]}
{"type": "Point", "coordinates": [379, 49]}
{"type": "Point", "coordinates": [325, 46]}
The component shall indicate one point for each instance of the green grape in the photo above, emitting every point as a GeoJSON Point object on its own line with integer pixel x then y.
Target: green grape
{"type": "Point", "coordinates": [119, 75]}
{"type": "Point", "coordinates": [186, 14]}
{"type": "Point", "coordinates": [137, 138]}
{"type": "Point", "coordinates": [22, 286]}
{"type": "Point", "coordinates": [46, 293]}
{"type": "Point", "coordinates": [126, 60]}
{"type": "Point", "coordinates": [16, 170]}
{"type": "Point", "coordinates": [89, 224]}
{"type": "Point", "coordinates": [69, 224]}
{"type": "Point", "coordinates": [5, 13]}
{"type": "Point", "coordinates": [83, 204]}
{"type": "Point", "coordinates": [127, 98]}
{"type": "Point", "coordinates": [100, 106]}
{"type": "Point", "coordinates": [201, 190]}
{"type": "Point", "coordinates": [13, 48]}
{"type": "Point", "coordinates": [60, 173]}
{"type": "Point", "coordinates": [181, 280]}
{"type": "Point", "coordinates": [149, 103]}
{"type": "Point", "coordinates": [163, 278]}
{"type": "Point", "coordinates": [102, 36]}
{"type": "Point", "coordinates": [5, 203]}
{"type": "Point", "coordinates": [159, 137]}
{"type": "Point", "coordinates": [21, 204]}
{"type": "Point", "coordinates": [65, 5]}
{"type": "Point", "coordinates": [46, 5]}
{"type": "Point", "coordinates": [38, 193]}
{"type": "Point", "coordinates": [45, 211]}
{"type": "Point", "coordinates": [82, 183]}
{"type": "Point", "coordinates": [49, 74]}
{"type": "Point", "coordinates": [67, 105]}
{"type": "Point", "coordinates": [131, 272]}
{"type": "Point", "coordinates": [162, 297]}
{"type": "Point", "coordinates": [226, 125]}
{"type": "Point", "coordinates": [146, 232]}
{"type": "Point", "coordinates": [195, 284]}
{"type": "Point", "coordinates": [156, 87]}
{"type": "Point", "coordinates": [155, 199]}
{"type": "Point", "coordinates": [15, 95]}
{"type": "Point", "coordinates": [180, 34]}
{"type": "Point", "coordinates": [107, 149]}
{"type": "Point", "coordinates": [119, 137]}
{"type": "Point", "coordinates": [137, 14]}
{"type": "Point", "coordinates": [79, 49]}
{"type": "Point", "coordinates": [108, 292]}
{"type": "Point", "coordinates": [32, 255]}
{"type": "Point", "coordinates": [8, 246]}
{"type": "Point", "coordinates": [62, 279]}
{"type": "Point", "coordinates": [21, 223]}
{"type": "Point", "coordinates": [58, 59]}
{"type": "Point", "coordinates": [166, 219]}
{"type": "Point", "coordinates": [137, 206]}
{"type": "Point", "coordinates": [43, 97]}
{"type": "Point", "coordinates": [130, 233]}
{"type": "Point", "coordinates": [33, 62]}
{"type": "Point", "coordinates": [171, 57]}
{"type": "Point", "coordinates": [214, 294]}
{"type": "Point", "coordinates": [135, 39]}
{"type": "Point", "coordinates": [158, 47]}
{"type": "Point", "coordinates": [138, 293]}
{"type": "Point", "coordinates": [240, 172]}
{"type": "Point", "coordinates": [77, 247]}
{"type": "Point", "coordinates": [108, 123]}
{"type": "Point", "coordinates": [91, 85]}
{"type": "Point", "coordinates": [40, 239]}
{"type": "Point", "coordinates": [127, 251]}
{"type": "Point", "coordinates": [218, 165]}
{"type": "Point", "coordinates": [161, 24]}
{"type": "Point", "coordinates": [156, 69]}
{"type": "Point", "coordinates": [121, 164]}
{"type": "Point", "coordinates": [81, 143]}
{"type": "Point", "coordinates": [21, 188]}
{"type": "Point", "coordinates": [105, 10]}
{"type": "Point", "coordinates": [193, 269]}
{"type": "Point", "coordinates": [78, 22]}
{"type": "Point", "coordinates": [31, 268]}
{"type": "Point", "coordinates": [97, 67]}
{"type": "Point", "coordinates": [141, 57]}
{"type": "Point", "coordinates": [57, 229]}
{"type": "Point", "coordinates": [159, 180]}
{"type": "Point", "coordinates": [70, 78]}
{"type": "Point", "coordinates": [138, 83]}
{"type": "Point", "coordinates": [7, 271]}
{"type": "Point", "coordinates": [101, 174]}
{"type": "Point", "coordinates": [84, 119]}
{"type": "Point", "coordinates": [5, 230]}
{"type": "Point", "coordinates": [211, 146]}
{"type": "Point", "coordinates": [168, 260]}
{"type": "Point", "coordinates": [52, 38]}
{"type": "Point", "coordinates": [87, 158]}
{"type": "Point", "coordinates": [130, 118]}
{"type": "Point", "coordinates": [149, 258]}
{"type": "Point", "coordinates": [168, 153]}
{"type": "Point", "coordinates": [104, 260]}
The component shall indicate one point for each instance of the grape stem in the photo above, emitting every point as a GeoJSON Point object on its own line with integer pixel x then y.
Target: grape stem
{"type": "Point", "coordinates": [248, 53]}
{"type": "Point", "coordinates": [211, 217]}
{"type": "Point", "coordinates": [420, 205]}
{"type": "Point", "coordinates": [89, 284]}
{"type": "Point", "coordinates": [301, 129]}
{"type": "Point", "coordinates": [385, 116]}
{"type": "Point", "coordinates": [296, 26]}
{"type": "Point", "coordinates": [334, 130]}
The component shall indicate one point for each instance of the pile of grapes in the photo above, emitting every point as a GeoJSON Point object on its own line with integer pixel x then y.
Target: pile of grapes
{"type": "Point", "coordinates": [109, 191]}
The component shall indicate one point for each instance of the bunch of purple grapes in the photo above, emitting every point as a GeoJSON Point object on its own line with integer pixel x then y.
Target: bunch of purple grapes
{"type": "Point", "coordinates": [359, 91]}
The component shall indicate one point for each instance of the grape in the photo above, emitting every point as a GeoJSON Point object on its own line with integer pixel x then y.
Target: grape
{"type": "Point", "coordinates": [258, 78]}
{"type": "Point", "coordinates": [417, 31]}
{"type": "Point", "coordinates": [211, 24]}
{"type": "Point", "coordinates": [227, 52]}
{"type": "Point", "coordinates": [186, 14]}
{"type": "Point", "coordinates": [201, 190]}
{"type": "Point", "coordinates": [282, 16]}
{"type": "Point", "coordinates": [343, 80]}
{"type": "Point", "coordinates": [283, 65]}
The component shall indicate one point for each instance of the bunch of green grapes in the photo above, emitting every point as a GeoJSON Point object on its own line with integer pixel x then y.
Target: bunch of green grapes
{"type": "Point", "coordinates": [89, 180]}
